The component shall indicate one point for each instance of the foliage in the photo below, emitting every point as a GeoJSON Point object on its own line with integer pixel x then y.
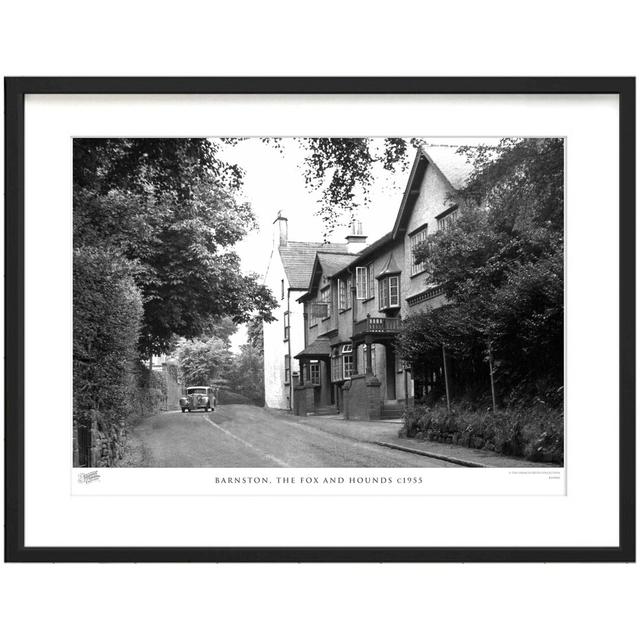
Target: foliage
{"type": "Point", "coordinates": [172, 166]}
{"type": "Point", "coordinates": [534, 431]}
{"type": "Point", "coordinates": [255, 334]}
{"type": "Point", "coordinates": [201, 362]}
{"type": "Point", "coordinates": [246, 375]}
{"type": "Point", "coordinates": [501, 265]}
{"type": "Point", "coordinates": [342, 169]}
{"type": "Point", "coordinates": [171, 209]}
{"type": "Point", "coordinates": [107, 311]}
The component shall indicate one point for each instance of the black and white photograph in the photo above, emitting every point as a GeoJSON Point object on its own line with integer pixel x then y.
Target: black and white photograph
{"type": "Point", "coordinates": [318, 302]}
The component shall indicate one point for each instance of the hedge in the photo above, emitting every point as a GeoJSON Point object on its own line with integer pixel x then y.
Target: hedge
{"type": "Point", "coordinates": [535, 432]}
{"type": "Point", "coordinates": [107, 311]}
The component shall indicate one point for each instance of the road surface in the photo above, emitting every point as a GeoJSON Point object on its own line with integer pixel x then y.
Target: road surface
{"type": "Point", "coordinates": [247, 436]}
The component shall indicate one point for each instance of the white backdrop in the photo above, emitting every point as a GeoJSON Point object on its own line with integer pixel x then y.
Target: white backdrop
{"type": "Point", "coordinates": [54, 517]}
{"type": "Point", "coordinates": [402, 38]}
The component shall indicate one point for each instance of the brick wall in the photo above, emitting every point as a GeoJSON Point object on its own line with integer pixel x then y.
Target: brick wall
{"type": "Point", "coordinates": [361, 397]}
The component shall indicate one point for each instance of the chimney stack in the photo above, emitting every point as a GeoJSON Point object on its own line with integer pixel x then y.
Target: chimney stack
{"type": "Point", "coordinates": [281, 230]}
{"type": "Point", "coordinates": [356, 240]}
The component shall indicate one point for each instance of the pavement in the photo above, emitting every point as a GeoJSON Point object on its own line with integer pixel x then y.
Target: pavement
{"type": "Point", "coordinates": [385, 433]}
{"type": "Point", "coordinates": [251, 437]}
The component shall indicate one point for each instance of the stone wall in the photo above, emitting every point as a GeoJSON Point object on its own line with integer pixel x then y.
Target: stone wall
{"type": "Point", "coordinates": [105, 443]}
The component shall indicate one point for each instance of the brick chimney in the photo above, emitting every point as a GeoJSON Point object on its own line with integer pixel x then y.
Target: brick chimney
{"type": "Point", "coordinates": [356, 240]}
{"type": "Point", "coordinates": [280, 231]}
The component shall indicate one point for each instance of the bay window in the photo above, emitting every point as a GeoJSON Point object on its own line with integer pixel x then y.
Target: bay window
{"type": "Point", "coordinates": [389, 292]}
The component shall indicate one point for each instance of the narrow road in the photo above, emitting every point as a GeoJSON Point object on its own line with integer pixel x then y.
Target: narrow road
{"type": "Point", "coordinates": [247, 436]}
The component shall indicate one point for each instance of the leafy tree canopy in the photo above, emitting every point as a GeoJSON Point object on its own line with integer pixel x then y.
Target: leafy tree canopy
{"type": "Point", "coordinates": [501, 265]}
{"type": "Point", "coordinates": [203, 362]}
{"type": "Point", "coordinates": [171, 209]}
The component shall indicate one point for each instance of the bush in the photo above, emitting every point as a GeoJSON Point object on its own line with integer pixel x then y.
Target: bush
{"type": "Point", "coordinates": [107, 311]}
{"type": "Point", "coordinates": [535, 432]}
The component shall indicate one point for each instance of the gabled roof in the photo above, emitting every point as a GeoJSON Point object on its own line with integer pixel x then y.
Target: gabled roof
{"type": "Point", "coordinates": [454, 167]}
{"type": "Point", "coordinates": [361, 257]}
{"type": "Point", "coordinates": [327, 264]}
{"type": "Point", "coordinates": [298, 259]}
{"type": "Point", "coordinates": [333, 262]}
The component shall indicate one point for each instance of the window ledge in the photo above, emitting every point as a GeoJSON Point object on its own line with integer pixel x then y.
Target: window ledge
{"type": "Point", "coordinates": [344, 310]}
{"type": "Point", "coordinates": [368, 299]}
{"type": "Point", "coordinates": [415, 275]}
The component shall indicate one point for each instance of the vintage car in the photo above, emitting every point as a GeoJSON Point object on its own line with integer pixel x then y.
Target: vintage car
{"type": "Point", "coordinates": [198, 398]}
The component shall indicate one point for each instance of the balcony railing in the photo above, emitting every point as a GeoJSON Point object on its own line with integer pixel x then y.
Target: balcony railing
{"type": "Point", "coordinates": [376, 325]}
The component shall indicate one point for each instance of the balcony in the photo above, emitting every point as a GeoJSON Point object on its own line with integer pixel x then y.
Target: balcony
{"type": "Point", "coordinates": [376, 326]}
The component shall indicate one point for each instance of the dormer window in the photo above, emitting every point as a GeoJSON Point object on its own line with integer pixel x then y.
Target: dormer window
{"type": "Point", "coordinates": [389, 292]}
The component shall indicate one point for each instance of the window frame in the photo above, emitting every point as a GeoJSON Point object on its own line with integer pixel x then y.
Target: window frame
{"type": "Point", "coordinates": [344, 294]}
{"type": "Point", "coordinates": [287, 368]}
{"type": "Point", "coordinates": [384, 292]}
{"type": "Point", "coordinates": [365, 287]}
{"type": "Point", "coordinates": [325, 298]}
{"type": "Point", "coordinates": [314, 367]}
{"type": "Point", "coordinates": [417, 237]}
{"type": "Point", "coordinates": [286, 326]}
{"type": "Point", "coordinates": [448, 218]}
{"type": "Point", "coordinates": [347, 358]}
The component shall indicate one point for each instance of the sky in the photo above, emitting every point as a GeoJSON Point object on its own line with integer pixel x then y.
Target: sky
{"type": "Point", "coordinates": [274, 182]}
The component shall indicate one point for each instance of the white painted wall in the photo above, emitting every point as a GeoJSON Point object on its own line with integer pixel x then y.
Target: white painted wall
{"type": "Point", "coordinates": [275, 347]}
{"type": "Point", "coordinates": [434, 198]}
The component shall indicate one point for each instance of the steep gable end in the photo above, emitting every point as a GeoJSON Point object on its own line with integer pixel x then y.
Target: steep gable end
{"type": "Point", "coordinates": [454, 168]}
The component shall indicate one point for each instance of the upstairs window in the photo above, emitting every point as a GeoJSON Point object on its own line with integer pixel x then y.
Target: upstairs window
{"type": "Point", "coordinates": [325, 299]}
{"type": "Point", "coordinates": [389, 292]}
{"type": "Point", "coordinates": [416, 240]}
{"type": "Point", "coordinates": [364, 282]}
{"type": "Point", "coordinates": [344, 294]}
{"type": "Point", "coordinates": [447, 219]}
{"type": "Point", "coordinates": [281, 289]}
{"type": "Point", "coordinates": [286, 325]}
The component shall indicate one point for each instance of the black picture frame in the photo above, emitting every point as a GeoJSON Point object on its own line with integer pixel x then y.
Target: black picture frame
{"type": "Point", "coordinates": [15, 91]}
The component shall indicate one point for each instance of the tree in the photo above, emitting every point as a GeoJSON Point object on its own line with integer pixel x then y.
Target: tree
{"type": "Point", "coordinates": [342, 169]}
{"type": "Point", "coordinates": [246, 374]}
{"type": "Point", "coordinates": [501, 266]}
{"type": "Point", "coordinates": [255, 334]}
{"type": "Point", "coordinates": [171, 209]}
{"type": "Point", "coordinates": [202, 362]}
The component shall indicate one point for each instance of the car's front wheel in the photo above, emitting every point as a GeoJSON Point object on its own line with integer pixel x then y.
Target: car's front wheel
{"type": "Point", "coordinates": [183, 409]}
